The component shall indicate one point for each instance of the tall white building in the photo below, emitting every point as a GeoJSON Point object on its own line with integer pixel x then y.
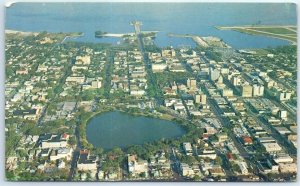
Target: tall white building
{"type": "Point", "coordinates": [214, 74]}
{"type": "Point", "coordinates": [200, 98]}
{"type": "Point", "coordinates": [282, 114]}
{"type": "Point", "coordinates": [235, 80]}
{"type": "Point", "coordinates": [258, 90]}
{"type": "Point", "coordinates": [284, 96]}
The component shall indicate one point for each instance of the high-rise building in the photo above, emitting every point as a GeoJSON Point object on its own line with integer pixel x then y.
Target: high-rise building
{"type": "Point", "coordinates": [224, 70]}
{"type": "Point", "coordinates": [188, 82]}
{"type": "Point", "coordinates": [235, 80]}
{"type": "Point", "coordinates": [283, 96]}
{"type": "Point", "coordinates": [200, 99]}
{"type": "Point", "coordinates": [214, 74]}
{"type": "Point", "coordinates": [174, 86]}
{"type": "Point", "coordinates": [191, 83]}
{"type": "Point", "coordinates": [282, 114]}
{"type": "Point", "coordinates": [85, 60]}
{"type": "Point", "coordinates": [220, 79]}
{"type": "Point", "coordinates": [258, 90]}
{"type": "Point", "coordinates": [270, 83]}
{"type": "Point", "coordinates": [246, 91]}
{"type": "Point", "coordinates": [96, 84]}
{"type": "Point", "coordinates": [227, 92]}
{"type": "Point", "coordinates": [168, 53]}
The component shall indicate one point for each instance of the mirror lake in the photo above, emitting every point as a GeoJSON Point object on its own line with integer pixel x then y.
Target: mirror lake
{"type": "Point", "coordinates": [118, 129]}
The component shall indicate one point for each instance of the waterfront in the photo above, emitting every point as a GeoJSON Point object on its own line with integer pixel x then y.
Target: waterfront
{"type": "Point", "coordinates": [78, 111]}
{"type": "Point", "coordinates": [117, 129]}
{"type": "Point", "coordinates": [172, 18]}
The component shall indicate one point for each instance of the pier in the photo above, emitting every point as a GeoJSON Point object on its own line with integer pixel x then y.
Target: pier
{"type": "Point", "coordinates": [137, 26]}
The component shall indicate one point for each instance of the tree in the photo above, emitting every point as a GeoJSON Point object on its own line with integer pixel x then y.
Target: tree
{"type": "Point", "coordinates": [235, 168]}
{"type": "Point", "coordinates": [188, 159]}
{"type": "Point", "coordinates": [197, 178]}
{"type": "Point", "coordinates": [22, 153]}
{"type": "Point", "coordinates": [98, 151]}
{"type": "Point", "coordinates": [10, 176]}
{"type": "Point", "coordinates": [117, 151]}
{"type": "Point", "coordinates": [110, 165]}
{"type": "Point", "coordinates": [89, 146]}
{"type": "Point", "coordinates": [58, 89]}
{"type": "Point", "coordinates": [100, 33]}
{"type": "Point", "coordinates": [218, 160]}
{"type": "Point", "coordinates": [9, 72]}
{"type": "Point", "coordinates": [146, 156]}
{"type": "Point", "coordinates": [143, 175]}
{"type": "Point", "coordinates": [72, 140]}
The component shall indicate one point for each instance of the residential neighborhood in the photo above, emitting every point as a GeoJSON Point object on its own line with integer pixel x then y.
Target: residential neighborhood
{"type": "Point", "coordinates": [235, 110]}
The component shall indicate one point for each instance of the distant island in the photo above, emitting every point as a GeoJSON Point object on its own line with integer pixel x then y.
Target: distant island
{"type": "Point", "coordinates": [100, 33]}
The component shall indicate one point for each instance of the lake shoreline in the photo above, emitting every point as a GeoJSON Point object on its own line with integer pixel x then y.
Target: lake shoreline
{"type": "Point", "coordinates": [137, 115]}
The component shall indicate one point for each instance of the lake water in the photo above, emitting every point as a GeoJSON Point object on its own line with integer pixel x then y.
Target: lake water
{"type": "Point", "coordinates": [117, 129]}
{"type": "Point", "coordinates": [179, 18]}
